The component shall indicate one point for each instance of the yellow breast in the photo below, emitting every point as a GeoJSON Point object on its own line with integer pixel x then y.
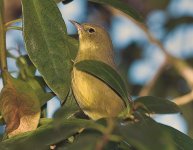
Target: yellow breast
{"type": "Point", "coordinates": [95, 98]}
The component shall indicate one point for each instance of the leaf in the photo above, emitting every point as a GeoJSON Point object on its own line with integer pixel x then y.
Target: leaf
{"type": "Point", "coordinates": [40, 91]}
{"type": "Point", "coordinates": [57, 1]}
{"type": "Point", "coordinates": [146, 135]}
{"type": "Point", "coordinates": [66, 1]}
{"type": "Point", "coordinates": [63, 1]}
{"type": "Point", "coordinates": [2, 122]}
{"type": "Point", "coordinates": [46, 135]}
{"type": "Point", "coordinates": [44, 121]}
{"type": "Point", "coordinates": [182, 141]}
{"type": "Point", "coordinates": [122, 7]}
{"type": "Point", "coordinates": [27, 74]}
{"type": "Point", "coordinates": [69, 108]}
{"type": "Point", "coordinates": [48, 45]}
{"type": "Point", "coordinates": [19, 107]}
{"type": "Point", "coordinates": [26, 68]}
{"type": "Point", "coordinates": [87, 141]}
{"type": "Point", "coordinates": [157, 105]}
{"type": "Point", "coordinates": [106, 74]}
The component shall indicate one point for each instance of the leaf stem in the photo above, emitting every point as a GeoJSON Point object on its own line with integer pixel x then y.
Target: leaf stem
{"type": "Point", "coordinates": [3, 60]}
{"type": "Point", "coordinates": [13, 21]}
{"type": "Point", "coordinates": [14, 28]}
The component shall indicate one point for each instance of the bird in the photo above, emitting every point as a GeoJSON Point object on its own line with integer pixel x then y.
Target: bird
{"type": "Point", "coordinates": [95, 98]}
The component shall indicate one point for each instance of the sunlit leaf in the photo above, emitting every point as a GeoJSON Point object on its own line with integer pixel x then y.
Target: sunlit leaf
{"type": "Point", "coordinates": [19, 107]}
{"type": "Point", "coordinates": [107, 74]}
{"type": "Point", "coordinates": [48, 45]}
{"type": "Point", "coordinates": [157, 105]}
{"type": "Point", "coordinates": [120, 6]}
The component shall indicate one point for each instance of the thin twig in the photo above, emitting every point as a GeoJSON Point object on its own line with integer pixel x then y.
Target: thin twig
{"type": "Point", "coordinates": [105, 138]}
{"type": "Point", "coordinates": [181, 66]}
{"type": "Point", "coordinates": [13, 21]}
{"type": "Point", "coordinates": [3, 58]}
{"type": "Point", "coordinates": [14, 28]}
{"type": "Point", "coordinates": [184, 99]}
{"type": "Point", "coordinates": [149, 86]}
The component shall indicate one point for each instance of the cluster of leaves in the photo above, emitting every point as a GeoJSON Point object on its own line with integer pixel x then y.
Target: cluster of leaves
{"type": "Point", "coordinates": [51, 50]}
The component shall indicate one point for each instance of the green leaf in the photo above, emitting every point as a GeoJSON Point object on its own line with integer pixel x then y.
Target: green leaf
{"type": "Point", "coordinates": [57, 1]}
{"type": "Point", "coordinates": [2, 121]}
{"type": "Point", "coordinates": [48, 45]}
{"type": "Point", "coordinates": [44, 121]}
{"type": "Point", "coordinates": [19, 107]}
{"type": "Point", "coordinates": [182, 141]}
{"type": "Point", "coordinates": [46, 135]}
{"type": "Point", "coordinates": [157, 105]}
{"type": "Point", "coordinates": [63, 1]}
{"type": "Point", "coordinates": [120, 6]}
{"type": "Point", "coordinates": [87, 141]}
{"type": "Point", "coordinates": [106, 74]}
{"type": "Point", "coordinates": [26, 67]}
{"type": "Point", "coordinates": [36, 84]}
{"type": "Point", "coordinates": [69, 108]}
{"type": "Point", "coordinates": [66, 1]}
{"type": "Point", "coordinates": [146, 135]}
{"type": "Point", "coordinates": [27, 74]}
{"type": "Point", "coordinates": [90, 140]}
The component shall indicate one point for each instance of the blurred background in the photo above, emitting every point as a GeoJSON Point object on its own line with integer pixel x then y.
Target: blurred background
{"type": "Point", "coordinates": [142, 63]}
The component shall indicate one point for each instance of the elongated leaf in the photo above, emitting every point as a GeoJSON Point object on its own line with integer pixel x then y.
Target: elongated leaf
{"type": "Point", "coordinates": [46, 135]}
{"type": "Point", "coordinates": [87, 141]}
{"type": "Point", "coordinates": [40, 91]}
{"type": "Point", "coordinates": [27, 74]}
{"type": "Point", "coordinates": [57, 1]}
{"type": "Point", "coordinates": [48, 46]}
{"type": "Point", "coordinates": [44, 121]}
{"type": "Point", "coordinates": [63, 1]}
{"type": "Point", "coordinates": [19, 107]}
{"type": "Point", "coordinates": [182, 141]}
{"type": "Point", "coordinates": [2, 122]}
{"type": "Point", "coordinates": [69, 109]}
{"type": "Point", "coordinates": [157, 105]}
{"type": "Point", "coordinates": [146, 135]}
{"type": "Point", "coordinates": [120, 6]}
{"type": "Point", "coordinates": [107, 74]}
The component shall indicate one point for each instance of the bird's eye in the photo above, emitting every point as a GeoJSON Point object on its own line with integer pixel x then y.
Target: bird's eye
{"type": "Point", "coordinates": [91, 30]}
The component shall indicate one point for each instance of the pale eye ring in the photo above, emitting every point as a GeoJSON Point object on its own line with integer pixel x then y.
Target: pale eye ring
{"type": "Point", "coordinates": [91, 30]}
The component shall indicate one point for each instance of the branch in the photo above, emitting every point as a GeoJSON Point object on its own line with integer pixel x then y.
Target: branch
{"type": "Point", "coordinates": [149, 86]}
{"type": "Point", "coordinates": [184, 99]}
{"type": "Point", "coordinates": [13, 21]}
{"type": "Point", "coordinates": [105, 138]}
{"type": "Point", "coordinates": [186, 71]}
{"type": "Point", "coordinates": [3, 58]}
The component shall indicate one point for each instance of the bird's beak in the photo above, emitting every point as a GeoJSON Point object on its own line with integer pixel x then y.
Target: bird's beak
{"type": "Point", "coordinates": [77, 25]}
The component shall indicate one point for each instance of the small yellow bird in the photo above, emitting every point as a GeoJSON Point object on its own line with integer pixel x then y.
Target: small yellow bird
{"type": "Point", "coordinates": [94, 97]}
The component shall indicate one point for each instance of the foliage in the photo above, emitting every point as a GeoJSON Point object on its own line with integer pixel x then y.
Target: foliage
{"type": "Point", "coordinates": [51, 51]}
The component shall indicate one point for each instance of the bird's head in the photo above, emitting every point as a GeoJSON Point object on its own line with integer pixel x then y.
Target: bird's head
{"type": "Point", "coordinates": [92, 35]}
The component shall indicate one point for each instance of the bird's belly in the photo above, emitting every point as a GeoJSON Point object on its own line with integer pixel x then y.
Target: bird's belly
{"type": "Point", "coordinates": [94, 97]}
